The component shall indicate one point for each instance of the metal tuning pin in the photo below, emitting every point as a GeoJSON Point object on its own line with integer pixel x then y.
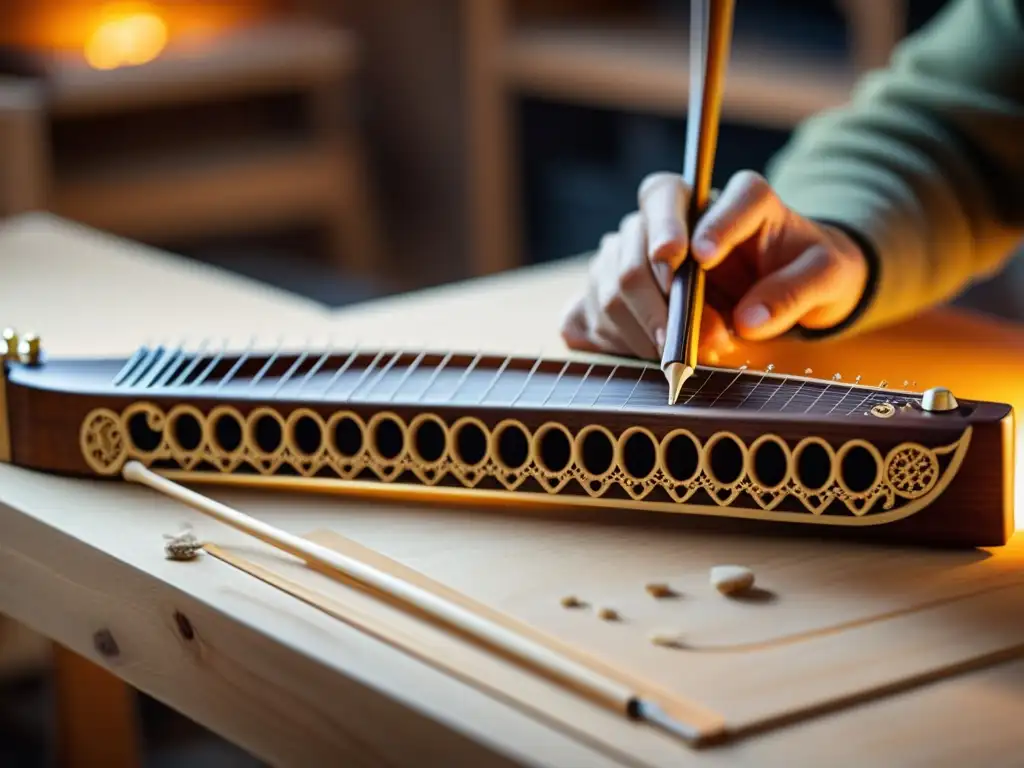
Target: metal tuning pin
{"type": "Point", "coordinates": [10, 344]}
{"type": "Point", "coordinates": [938, 400]}
{"type": "Point", "coordinates": [30, 349]}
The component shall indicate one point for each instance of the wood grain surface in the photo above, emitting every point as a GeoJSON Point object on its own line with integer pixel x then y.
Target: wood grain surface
{"type": "Point", "coordinates": [821, 629]}
{"type": "Point", "coordinates": [298, 687]}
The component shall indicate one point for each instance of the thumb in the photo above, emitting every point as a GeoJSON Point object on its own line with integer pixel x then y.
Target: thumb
{"type": "Point", "coordinates": [781, 299]}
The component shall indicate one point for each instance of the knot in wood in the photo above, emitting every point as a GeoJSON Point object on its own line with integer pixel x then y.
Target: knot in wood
{"type": "Point", "coordinates": [105, 644]}
{"type": "Point", "coordinates": [185, 628]}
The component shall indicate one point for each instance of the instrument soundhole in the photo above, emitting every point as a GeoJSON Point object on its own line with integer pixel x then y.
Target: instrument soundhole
{"type": "Point", "coordinates": [267, 434]}
{"type": "Point", "coordinates": [307, 435]}
{"type": "Point", "coordinates": [726, 460]}
{"type": "Point", "coordinates": [187, 431]}
{"type": "Point", "coordinates": [598, 453]}
{"type": "Point", "coordinates": [640, 455]}
{"type": "Point", "coordinates": [513, 447]}
{"type": "Point", "coordinates": [227, 432]}
{"type": "Point", "coordinates": [430, 441]}
{"type": "Point", "coordinates": [388, 438]}
{"type": "Point", "coordinates": [681, 458]}
{"type": "Point", "coordinates": [770, 464]}
{"type": "Point", "coordinates": [348, 437]}
{"type": "Point", "coordinates": [859, 469]}
{"type": "Point", "coordinates": [814, 466]}
{"type": "Point", "coordinates": [554, 449]}
{"type": "Point", "coordinates": [143, 438]}
{"type": "Point", "coordinates": [471, 444]}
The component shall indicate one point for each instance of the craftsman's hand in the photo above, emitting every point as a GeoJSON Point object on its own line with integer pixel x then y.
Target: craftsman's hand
{"type": "Point", "coordinates": [769, 269]}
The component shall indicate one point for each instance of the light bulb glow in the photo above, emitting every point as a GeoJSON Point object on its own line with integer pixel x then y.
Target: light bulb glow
{"type": "Point", "coordinates": [127, 35]}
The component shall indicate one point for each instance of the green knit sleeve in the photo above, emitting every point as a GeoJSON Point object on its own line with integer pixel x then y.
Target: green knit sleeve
{"type": "Point", "coordinates": [925, 162]}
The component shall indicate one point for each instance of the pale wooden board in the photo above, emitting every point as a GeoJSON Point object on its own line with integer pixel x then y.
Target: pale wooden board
{"type": "Point", "coordinates": [86, 293]}
{"type": "Point", "coordinates": [631, 742]}
{"type": "Point", "coordinates": [835, 624]}
{"type": "Point", "coordinates": [76, 557]}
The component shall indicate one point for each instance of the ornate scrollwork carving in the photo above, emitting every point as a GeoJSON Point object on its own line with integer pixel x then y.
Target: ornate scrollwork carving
{"type": "Point", "coordinates": [634, 468]}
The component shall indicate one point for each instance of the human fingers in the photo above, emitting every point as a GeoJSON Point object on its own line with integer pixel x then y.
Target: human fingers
{"type": "Point", "coordinates": [663, 198]}
{"type": "Point", "coordinates": [603, 316]}
{"type": "Point", "coordinates": [577, 334]}
{"type": "Point", "coordinates": [746, 206]}
{"type": "Point", "coordinates": [637, 284]}
{"type": "Point", "coordinates": [607, 313]}
{"type": "Point", "coordinates": [815, 280]}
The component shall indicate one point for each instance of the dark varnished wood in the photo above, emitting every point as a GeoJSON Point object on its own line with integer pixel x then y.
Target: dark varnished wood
{"type": "Point", "coordinates": [48, 403]}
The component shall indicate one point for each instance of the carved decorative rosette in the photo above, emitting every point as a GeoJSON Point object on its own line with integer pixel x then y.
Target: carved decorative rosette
{"type": "Point", "coordinates": [769, 478]}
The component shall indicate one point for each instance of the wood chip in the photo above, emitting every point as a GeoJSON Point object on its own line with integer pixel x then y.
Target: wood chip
{"type": "Point", "coordinates": [571, 601]}
{"type": "Point", "coordinates": [731, 579]}
{"type": "Point", "coordinates": [660, 590]}
{"type": "Point", "coordinates": [608, 614]}
{"type": "Point", "coordinates": [182, 546]}
{"type": "Point", "coordinates": [666, 640]}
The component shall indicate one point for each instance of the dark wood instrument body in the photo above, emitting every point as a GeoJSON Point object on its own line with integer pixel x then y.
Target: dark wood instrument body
{"type": "Point", "coordinates": [558, 442]}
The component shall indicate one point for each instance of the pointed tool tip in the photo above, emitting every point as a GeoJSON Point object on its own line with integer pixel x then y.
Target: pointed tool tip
{"type": "Point", "coordinates": [677, 374]}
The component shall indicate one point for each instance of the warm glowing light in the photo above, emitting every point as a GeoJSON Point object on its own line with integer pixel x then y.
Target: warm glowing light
{"type": "Point", "coordinates": [128, 35]}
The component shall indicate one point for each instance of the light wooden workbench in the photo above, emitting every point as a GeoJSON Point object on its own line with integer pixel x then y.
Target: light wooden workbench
{"type": "Point", "coordinates": [83, 563]}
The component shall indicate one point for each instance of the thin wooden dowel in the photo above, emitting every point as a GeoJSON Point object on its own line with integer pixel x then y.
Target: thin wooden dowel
{"type": "Point", "coordinates": [585, 681]}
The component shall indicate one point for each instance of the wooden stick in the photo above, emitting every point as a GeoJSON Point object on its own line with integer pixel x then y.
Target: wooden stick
{"type": "Point", "coordinates": [555, 666]}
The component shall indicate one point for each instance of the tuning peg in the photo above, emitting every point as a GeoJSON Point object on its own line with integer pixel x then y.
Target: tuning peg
{"type": "Point", "coordinates": [857, 379]}
{"type": "Point", "coordinates": [30, 349]}
{"type": "Point", "coordinates": [770, 367]}
{"type": "Point", "coordinates": [10, 343]}
{"type": "Point", "coordinates": [837, 377]}
{"type": "Point", "coordinates": [883, 384]}
{"type": "Point", "coordinates": [938, 400]}
{"type": "Point", "coordinates": [808, 371]}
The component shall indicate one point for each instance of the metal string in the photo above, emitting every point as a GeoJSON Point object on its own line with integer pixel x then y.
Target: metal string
{"type": "Point", "coordinates": [630, 395]}
{"type": "Point", "coordinates": [601, 390]}
{"type": "Point", "coordinates": [238, 364]}
{"type": "Point", "coordinates": [554, 386]}
{"type": "Point", "coordinates": [383, 372]}
{"type": "Point", "coordinates": [364, 375]}
{"type": "Point", "coordinates": [344, 367]}
{"type": "Point", "coordinates": [266, 366]}
{"type": "Point", "coordinates": [580, 385]}
{"type": "Point", "coordinates": [408, 373]}
{"type": "Point", "coordinates": [465, 374]}
{"type": "Point", "coordinates": [529, 376]}
{"type": "Point", "coordinates": [434, 375]}
{"type": "Point", "coordinates": [501, 370]}
{"type": "Point", "coordinates": [292, 369]}
{"type": "Point", "coordinates": [196, 359]}
{"type": "Point", "coordinates": [316, 366]}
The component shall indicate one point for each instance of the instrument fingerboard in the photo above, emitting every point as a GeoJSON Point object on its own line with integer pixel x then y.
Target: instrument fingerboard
{"type": "Point", "coordinates": [414, 378]}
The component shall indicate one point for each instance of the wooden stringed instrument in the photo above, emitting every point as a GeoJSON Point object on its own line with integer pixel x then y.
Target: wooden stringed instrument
{"type": "Point", "coordinates": [755, 446]}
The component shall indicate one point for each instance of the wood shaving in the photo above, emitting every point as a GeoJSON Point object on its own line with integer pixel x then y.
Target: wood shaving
{"type": "Point", "coordinates": [660, 590]}
{"type": "Point", "coordinates": [608, 614]}
{"type": "Point", "coordinates": [182, 546]}
{"type": "Point", "coordinates": [666, 640]}
{"type": "Point", "coordinates": [571, 601]}
{"type": "Point", "coordinates": [730, 579]}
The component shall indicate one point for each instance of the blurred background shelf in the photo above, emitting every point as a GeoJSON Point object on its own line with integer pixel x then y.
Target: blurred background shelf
{"type": "Point", "coordinates": [581, 70]}
{"type": "Point", "coordinates": [246, 130]}
{"type": "Point", "coordinates": [258, 59]}
{"type": "Point", "coordinates": [647, 70]}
